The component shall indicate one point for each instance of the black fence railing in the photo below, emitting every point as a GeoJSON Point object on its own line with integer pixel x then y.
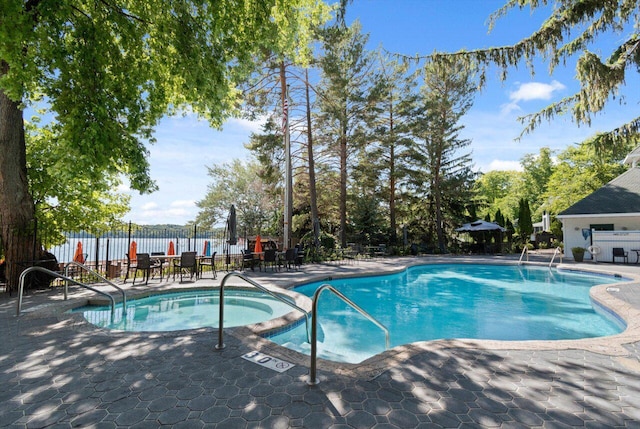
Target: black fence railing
{"type": "Point", "coordinates": [107, 252]}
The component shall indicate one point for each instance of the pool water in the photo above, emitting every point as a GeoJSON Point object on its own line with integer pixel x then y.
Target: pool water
{"type": "Point", "coordinates": [448, 301]}
{"type": "Point", "coordinates": [188, 310]}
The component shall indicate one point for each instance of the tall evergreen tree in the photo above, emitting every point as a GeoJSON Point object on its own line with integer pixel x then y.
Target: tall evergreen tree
{"type": "Point", "coordinates": [441, 172]}
{"type": "Point", "coordinates": [343, 93]}
{"type": "Point", "coordinates": [525, 225]}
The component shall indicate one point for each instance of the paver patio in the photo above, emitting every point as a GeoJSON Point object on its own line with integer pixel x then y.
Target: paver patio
{"type": "Point", "coordinates": [58, 371]}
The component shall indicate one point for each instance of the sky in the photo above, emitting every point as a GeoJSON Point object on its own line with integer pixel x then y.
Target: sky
{"type": "Point", "coordinates": [186, 145]}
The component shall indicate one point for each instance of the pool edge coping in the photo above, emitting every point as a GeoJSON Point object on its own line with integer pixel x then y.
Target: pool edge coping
{"type": "Point", "coordinates": [612, 345]}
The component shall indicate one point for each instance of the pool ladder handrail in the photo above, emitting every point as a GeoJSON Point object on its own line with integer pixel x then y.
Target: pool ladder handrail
{"type": "Point", "coordinates": [255, 284]}
{"type": "Point", "coordinates": [98, 275]}
{"type": "Point", "coordinates": [525, 251]}
{"type": "Point", "coordinates": [23, 275]}
{"type": "Point", "coordinates": [313, 380]}
{"type": "Point", "coordinates": [558, 251]}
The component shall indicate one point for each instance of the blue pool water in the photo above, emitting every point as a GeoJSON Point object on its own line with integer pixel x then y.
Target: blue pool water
{"type": "Point", "coordinates": [188, 310]}
{"type": "Point", "coordinates": [432, 302]}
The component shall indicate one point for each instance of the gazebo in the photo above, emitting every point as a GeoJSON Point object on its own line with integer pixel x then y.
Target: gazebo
{"type": "Point", "coordinates": [481, 232]}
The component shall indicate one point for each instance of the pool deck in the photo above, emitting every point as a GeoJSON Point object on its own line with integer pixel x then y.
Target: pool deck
{"type": "Point", "coordinates": [58, 371]}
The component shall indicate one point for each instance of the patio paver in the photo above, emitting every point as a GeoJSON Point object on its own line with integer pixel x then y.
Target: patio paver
{"type": "Point", "coordinates": [61, 372]}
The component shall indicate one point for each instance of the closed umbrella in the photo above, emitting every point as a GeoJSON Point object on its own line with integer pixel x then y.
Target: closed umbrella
{"type": "Point", "coordinates": [79, 255]}
{"type": "Point", "coordinates": [207, 248]}
{"type": "Point", "coordinates": [133, 249]}
{"type": "Point", "coordinates": [258, 247]}
{"type": "Point", "coordinates": [172, 249]}
{"type": "Point", "coordinates": [233, 235]}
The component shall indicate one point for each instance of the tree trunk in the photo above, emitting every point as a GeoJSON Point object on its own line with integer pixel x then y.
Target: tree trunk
{"type": "Point", "coordinates": [343, 186]}
{"type": "Point", "coordinates": [16, 203]}
{"type": "Point", "coordinates": [392, 176]}
{"type": "Point", "coordinates": [313, 196]}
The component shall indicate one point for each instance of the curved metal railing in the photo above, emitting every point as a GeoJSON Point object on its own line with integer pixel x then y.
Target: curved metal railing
{"type": "Point", "coordinates": [525, 251]}
{"type": "Point", "coordinates": [23, 275]}
{"type": "Point", "coordinates": [220, 344]}
{"type": "Point", "coordinates": [98, 275]}
{"type": "Point", "coordinates": [558, 251]}
{"type": "Point", "coordinates": [313, 380]}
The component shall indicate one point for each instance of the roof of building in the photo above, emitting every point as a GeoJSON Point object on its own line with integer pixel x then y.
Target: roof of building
{"type": "Point", "coordinates": [621, 195]}
{"type": "Point", "coordinates": [633, 157]}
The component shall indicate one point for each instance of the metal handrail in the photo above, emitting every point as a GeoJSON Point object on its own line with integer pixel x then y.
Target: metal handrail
{"type": "Point", "coordinates": [314, 327]}
{"type": "Point", "coordinates": [95, 273]}
{"type": "Point", "coordinates": [60, 276]}
{"type": "Point", "coordinates": [556, 252]}
{"type": "Point", "coordinates": [525, 250]}
{"type": "Point", "coordinates": [220, 344]}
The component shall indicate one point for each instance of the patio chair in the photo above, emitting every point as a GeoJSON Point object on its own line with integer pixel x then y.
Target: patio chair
{"type": "Point", "coordinates": [143, 263]}
{"type": "Point", "coordinates": [271, 258]}
{"type": "Point", "coordinates": [208, 261]}
{"type": "Point", "coordinates": [299, 254]}
{"type": "Point", "coordinates": [291, 258]}
{"type": "Point", "coordinates": [132, 265]}
{"type": "Point", "coordinates": [186, 263]}
{"type": "Point", "coordinates": [248, 260]}
{"type": "Point", "coordinates": [157, 263]}
{"type": "Point", "coordinates": [619, 252]}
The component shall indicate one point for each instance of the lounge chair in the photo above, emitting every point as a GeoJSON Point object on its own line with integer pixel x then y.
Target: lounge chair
{"type": "Point", "coordinates": [619, 252]}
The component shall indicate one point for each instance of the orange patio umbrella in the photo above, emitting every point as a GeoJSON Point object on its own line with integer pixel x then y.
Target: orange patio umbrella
{"type": "Point", "coordinates": [79, 255]}
{"type": "Point", "coordinates": [172, 249]}
{"type": "Point", "coordinates": [258, 246]}
{"type": "Point", "coordinates": [133, 249]}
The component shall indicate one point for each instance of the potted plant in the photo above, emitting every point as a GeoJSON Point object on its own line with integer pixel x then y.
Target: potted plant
{"type": "Point", "coordinates": [578, 253]}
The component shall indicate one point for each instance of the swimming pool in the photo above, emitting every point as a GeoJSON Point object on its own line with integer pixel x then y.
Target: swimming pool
{"type": "Point", "coordinates": [446, 301]}
{"type": "Point", "coordinates": [187, 310]}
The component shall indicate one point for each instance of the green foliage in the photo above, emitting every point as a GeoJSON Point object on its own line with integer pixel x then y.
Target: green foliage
{"type": "Point", "coordinates": [65, 198]}
{"type": "Point", "coordinates": [572, 27]}
{"type": "Point", "coordinates": [499, 190]}
{"type": "Point", "coordinates": [367, 221]}
{"type": "Point", "coordinates": [525, 225]}
{"type": "Point", "coordinates": [537, 171]}
{"type": "Point", "coordinates": [107, 72]}
{"type": "Point", "coordinates": [580, 170]}
{"type": "Point", "coordinates": [239, 183]}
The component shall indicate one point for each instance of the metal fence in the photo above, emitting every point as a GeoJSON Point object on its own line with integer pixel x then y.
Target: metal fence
{"type": "Point", "coordinates": [107, 252]}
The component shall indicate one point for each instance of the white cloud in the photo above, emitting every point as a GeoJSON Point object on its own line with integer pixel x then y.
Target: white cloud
{"type": "Point", "coordinates": [509, 108]}
{"type": "Point", "coordinates": [501, 165]}
{"type": "Point", "coordinates": [528, 92]}
{"type": "Point", "coordinates": [149, 206]}
{"type": "Point", "coordinates": [183, 204]}
{"type": "Point", "coordinates": [535, 91]}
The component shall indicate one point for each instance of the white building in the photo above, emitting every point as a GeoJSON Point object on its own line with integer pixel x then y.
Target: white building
{"type": "Point", "coordinates": [607, 218]}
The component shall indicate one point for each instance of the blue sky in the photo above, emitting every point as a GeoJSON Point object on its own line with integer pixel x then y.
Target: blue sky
{"type": "Point", "coordinates": [186, 145]}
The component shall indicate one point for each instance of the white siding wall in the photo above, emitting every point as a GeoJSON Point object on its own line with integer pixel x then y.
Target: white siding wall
{"type": "Point", "coordinates": [626, 234]}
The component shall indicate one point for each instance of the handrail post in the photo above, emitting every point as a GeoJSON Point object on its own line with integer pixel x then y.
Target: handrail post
{"type": "Point", "coordinates": [60, 276]}
{"type": "Point", "coordinates": [313, 380]}
{"type": "Point", "coordinates": [95, 273]}
{"type": "Point", "coordinates": [220, 344]}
